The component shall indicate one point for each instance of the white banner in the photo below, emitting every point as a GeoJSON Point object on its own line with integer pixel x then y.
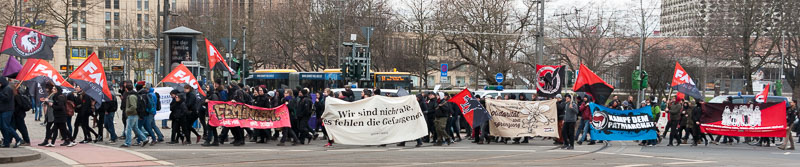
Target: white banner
{"type": "Point", "coordinates": [374, 121]}
{"type": "Point", "coordinates": [513, 118]}
{"type": "Point", "coordinates": [165, 100]}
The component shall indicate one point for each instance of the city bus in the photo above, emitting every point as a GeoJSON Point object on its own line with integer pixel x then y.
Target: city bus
{"type": "Point", "coordinates": [328, 78]}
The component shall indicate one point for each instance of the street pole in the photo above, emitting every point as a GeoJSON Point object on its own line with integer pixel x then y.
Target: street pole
{"type": "Point", "coordinates": [230, 36]}
{"type": "Point", "coordinates": [244, 54]}
{"type": "Point", "coordinates": [641, 54]}
{"type": "Point", "coordinates": [540, 34]}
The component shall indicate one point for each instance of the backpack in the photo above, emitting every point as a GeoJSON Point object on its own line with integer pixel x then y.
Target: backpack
{"type": "Point", "coordinates": [69, 107]}
{"type": "Point", "coordinates": [158, 99]}
{"type": "Point", "coordinates": [141, 105]}
{"type": "Point", "coordinates": [22, 103]}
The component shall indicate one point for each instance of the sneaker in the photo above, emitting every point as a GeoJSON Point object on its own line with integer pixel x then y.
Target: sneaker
{"type": "Point", "coordinates": [328, 145]}
{"type": "Point", "coordinates": [145, 142]}
{"type": "Point", "coordinates": [49, 145]}
{"type": "Point", "coordinates": [124, 146]}
{"type": "Point", "coordinates": [71, 144]}
{"type": "Point", "coordinates": [43, 144]}
{"type": "Point", "coordinates": [64, 144]}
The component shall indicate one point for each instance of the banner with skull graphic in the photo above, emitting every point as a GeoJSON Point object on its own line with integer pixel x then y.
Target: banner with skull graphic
{"type": "Point", "coordinates": [513, 118]}
{"type": "Point", "coordinates": [611, 124]}
{"type": "Point", "coordinates": [28, 43]}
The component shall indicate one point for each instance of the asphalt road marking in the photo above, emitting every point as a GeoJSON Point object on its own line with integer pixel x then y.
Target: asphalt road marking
{"type": "Point", "coordinates": [634, 165]}
{"type": "Point", "coordinates": [57, 156]}
{"type": "Point", "coordinates": [138, 154]}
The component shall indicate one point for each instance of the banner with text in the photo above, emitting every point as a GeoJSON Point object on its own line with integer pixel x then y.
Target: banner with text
{"type": "Point", "coordinates": [165, 99]}
{"type": "Point", "coordinates": [749, 120]}
{"type": "Point", "coordinates": [513, 118]}
{"type": "Point", "coordinates": [374, 121]}
{"type": "Point", "coordinates": [611, 124]}
{"type": "Point", "coordinates": [230, 114]}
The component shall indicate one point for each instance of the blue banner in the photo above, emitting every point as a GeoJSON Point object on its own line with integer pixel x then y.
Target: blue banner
{"type": "Point", "coordinates": [611, 124]}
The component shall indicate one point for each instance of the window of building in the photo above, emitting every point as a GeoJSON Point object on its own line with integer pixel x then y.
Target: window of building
{"type": "Point", "coordinates": [108, 25]}
{"type": "Point", "coordinates": [146, 4]}
{"type": "Point", "coordinates": [461, 81]}
{"type": "Point", "coordinates": [74, 3]}
{"type": "Point", "coordinates": [138, 4]}
{"type": "Point", "coordinates": [116, 4]}
{"type": "Point", "coordinates": [108, 4]}
{"type": "Point", "coordinates": [147, 25]}
{"type": "Point", "coordinates": [110, 54]}
{"type": "Point", "coordinates": [80, 52]}
{"type": "Point", "coordinates": [116, 25]}
{"type": "Point", "coordinates": [83, 3]}
{"type": "Point", "coordinates": [143, 56]}
{"type": "Point", "coordinates": [83, 24]}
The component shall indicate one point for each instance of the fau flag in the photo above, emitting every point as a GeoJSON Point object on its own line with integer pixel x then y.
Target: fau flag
{"type": "Point", "coordinates": [593, 85]}
{"type": "Point", "coordinates": [749, 120]}
{"type": "Point", "coordinates": [180, 76]}
{"type": "Point", "coordinates": [471, 108]}
{"type": "Point", "coordinates": [683, 83]}
{"type": "Point", "coordinates": [91, 77]}
{"type": "Point", "coordinates": [28, 43]}
{"type": "Point", "coordinates": [215, 59]}
{"type": "Point", "coordinates": [39, 73]}
{"type": "Point", "coordinates": [549, 80]}
{"type": "Point", "coordinates": [762, 97]}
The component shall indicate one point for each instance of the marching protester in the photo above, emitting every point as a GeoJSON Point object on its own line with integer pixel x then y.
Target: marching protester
{"type": "Point", "coordinates": [237, 95]}
{"type": "Point", "coordinates": [55, 103]}
{"type": "Point", "coordinates": [190, 116]}
{"type": "Point", "coordinates": [560, 109]}
{"type": "Point", "coordinates": [674, 120]}
{"type": "Point", "coordinates": [262, 99]}
{"type": "Point", "coordinates": [177, 107]}
{"type": "Point", "coordinates": [570, 116]}
{"type": "Point", "coordinates": [303, 111]}
{"type": "Point", "coordinates": [584, 126]}
{"type": "Point", "coordinates": [791, 113]}
{"type": "Point", "coordinates": [130, 104]}
{"type": "Point", "coordinates": [212, 139]}
{"type": "Point", "coordinates": [108, 108]}
{"type": "Point", "coordinates": [22, 104]}
{"type": "Point", "coordinates": [287, 131]}
{"type": "Point", "coordinates": [153, 104]}
{"type": "Point", "coordinates": [83, 107]}
{"type": "Point", "coordinates": [7, 113]}
{"type": "Point", "coordinates": [443, 112]}
{"type": "Point", "coordinates": [694, 123]}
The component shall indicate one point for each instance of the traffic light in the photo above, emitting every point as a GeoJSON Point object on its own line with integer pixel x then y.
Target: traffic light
{"type": "Point", "coordinates": [357, 72]}
{"type": "Point", "coordinates": [645, 77]}
{"type": "Point", "coordinates": [246, 68]}
{"type": "Point", "coordinates": [345, 70]}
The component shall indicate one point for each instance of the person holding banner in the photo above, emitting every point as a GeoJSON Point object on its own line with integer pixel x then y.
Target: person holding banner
{"type": "Point", "coordinates": [287, 131]}
{"type": "Point", "coordinates": [570, 116]}
{"type": "Point", "coordinates": [212, 139]}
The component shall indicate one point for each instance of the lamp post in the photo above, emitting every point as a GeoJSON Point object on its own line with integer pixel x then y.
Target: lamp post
{"type": "Point", "coordinates": [244, 55]}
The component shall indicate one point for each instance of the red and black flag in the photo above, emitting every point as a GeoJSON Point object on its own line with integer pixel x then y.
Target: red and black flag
{"type": "Point", "coordinates": [39, 73]}
{"type": "Point", "coordinates": [471, 108]}
{"type": "Point", "coordinates": [549, 80]}
{"type": "Point", "coordinates": [750, 120]}
{"type": "Point", "coordinates": [91, 77]}
{"type": "Point", "coordinates": [683, 83]}
{"type": "Point", "coordinates": [593, 85]}
{"type": "Point", "coordinates": [28, 43]}
{"type": "Point", "coordinates": [182, 76]}
{"type": "Point", "coordinates": [215, 60]}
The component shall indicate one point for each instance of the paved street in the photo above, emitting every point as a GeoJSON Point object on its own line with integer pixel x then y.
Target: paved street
{"type": "Point", "coordinates": [537, 153]}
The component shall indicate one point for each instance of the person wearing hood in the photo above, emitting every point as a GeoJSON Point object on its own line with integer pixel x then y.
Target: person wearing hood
{"type": "Point", "coordinates": [149, 119]}
{"type": "Point", "coordinates": [178, 113]}
{"type": "Point", "coordinates": [287, 131]}
{"type": "Point", "coordinates": [56, 104]}
{"type": "Point", "coordinates": [108, 108]}
{"type": "Point", "coordinates": [83, 107]}
{"type": "Point", "coordinates": [131, 100]}
{"type": "Point", "coordinates": [21, 106]}
{"type": "Point", "coordinates": [237, 95]}
{"type": "Point", "coordinates": [212, 139]}
{"type": "Point", "coordinates": [262, 100]}
{"type": "Point", "coordinates": [6, 113]}
{"type": "Point", "coordinates": [584, 125]}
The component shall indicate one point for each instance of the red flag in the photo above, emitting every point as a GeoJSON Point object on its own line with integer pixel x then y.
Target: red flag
{"type": "Point", "coordinates": [42, 71]}
{"type": "Point", "coordinates": [28, 43]}
{"type": "Point", "coordinates": [472, 110]}
{"type": "Point", "coordinates": [26, 68]}
{"type": "Point", "coordinates": [91, 77]}
{"type": "Point", "coordinates": [215, 59]}
{"type": "Point", "coordinates": [180, 76]}
{"type": "Point", "coordinates": [592, 84]}
{"type": "Point", "coordinates": [762, 97]}
{"type": "Point", "coordinates": [683, 83]}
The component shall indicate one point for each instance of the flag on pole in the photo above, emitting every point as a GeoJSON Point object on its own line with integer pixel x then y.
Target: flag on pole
{"type": "Point", "coordinates": [12, 67]}
{"type": "Point", "coordinates": [593, 85]}
{"type": "Point", "coordinates": [471, 108]}
{"type": "Point", "coordinates": [181, 76]}
{"type": "Point", "coordinates": [28, 43]}
{"type": "Point", "coordinates": [684, 84]}
{"type": "Point", "coordinates": [762, 97]}
{"type": "Point", "coordinates": [549, 80]}
{"type": "Point", "coordinates": [38, 74]}
{"type": "Point", "coordinates": [91, 77]}
{"type": "Point", "coordinates": [215, 60]}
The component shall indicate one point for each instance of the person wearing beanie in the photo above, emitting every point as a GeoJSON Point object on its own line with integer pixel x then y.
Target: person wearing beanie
{"type": "Point", "coordinates": [570, 116]}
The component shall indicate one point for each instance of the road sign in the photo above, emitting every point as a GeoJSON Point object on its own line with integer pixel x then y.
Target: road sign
{"type": "Point", "coordinates": [444, 69]}
{"type": "Point", "coordinates": [499, 77]}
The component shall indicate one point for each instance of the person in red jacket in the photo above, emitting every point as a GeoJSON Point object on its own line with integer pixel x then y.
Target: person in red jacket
{"type": "Point", "coordinates": [583, 127]}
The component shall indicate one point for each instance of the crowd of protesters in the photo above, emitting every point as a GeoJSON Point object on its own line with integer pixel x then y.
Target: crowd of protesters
{"type": "Point", "coordinates": [139, 103]}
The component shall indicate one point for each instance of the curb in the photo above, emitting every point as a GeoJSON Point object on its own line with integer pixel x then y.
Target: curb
{"type": "Point", "coordinates": [21, 158]}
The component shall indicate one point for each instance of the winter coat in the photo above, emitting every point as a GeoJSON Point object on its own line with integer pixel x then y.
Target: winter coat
{"type": "Point", "coordinates": [570, 112]}
{"type": "Point", "coordinates": [6, 96]}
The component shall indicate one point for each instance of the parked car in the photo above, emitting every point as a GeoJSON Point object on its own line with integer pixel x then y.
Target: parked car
{"type": "Point", "coordinates": [357, 92]}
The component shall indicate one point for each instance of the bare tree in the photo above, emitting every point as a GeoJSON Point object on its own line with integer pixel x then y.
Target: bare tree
{"type": "Point", "coordinates": [420, 18]}
{"type": "Point", "coordinates": [591, 37]}
{"type": "Point", "coordinates": [68, 12]}
{"type": "Point", "coordinates": [488, 35]}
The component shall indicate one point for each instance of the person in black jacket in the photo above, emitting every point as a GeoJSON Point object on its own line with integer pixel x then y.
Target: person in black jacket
{"type": "Point", "coordinates": [213, 95]}
{"type": "Point", "coordinates": [423, 107]}
{"type": "Point", "coordinates": [57, 102]}
{"type": "Point", "coordinates": [262, 100]}
{"type": "Point", "coordinates": [303, 115]}
{"type": "Point", "coordinates": [238, 95]}
{"type": "Point", "coordinates": [18, 120]}
{"type": "Point", "coordinates": [178, 113]}
{"type": "Point", "coordinates": [442, 114]}
{"type": "Point", "coordinates": [84, 108]}
{"type": "Point", "coordinates": [192, 105]}
{"type": "Point", "coordinates": [696, 114]}
{"type": "Point", "coordinates": [431, 103]}
{"type": "Point", "coordinates": [287, 131]}
{"type": "Point", "coordinates": [791, 113]}
{"type": "Point", "coordinates": [6, 113]}
{"type": "Point", "coordinates": [107, 110]}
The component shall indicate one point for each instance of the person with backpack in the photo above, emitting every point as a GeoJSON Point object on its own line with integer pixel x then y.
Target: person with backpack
{"type": "Point", "coordinates": [6, 114]}
{"type": "Point", "coordinates": [56, 106]}
{"type": "Point", "coordinates": [107, 111]}
{"type": "Point", "coordinates": [190, 117]}
{"type": "Point", "coordinates": [22, 104]}
{"type": "Point", "coordinates": [149, 98]}
{"type": "Point", "coordinates": [131, 110]}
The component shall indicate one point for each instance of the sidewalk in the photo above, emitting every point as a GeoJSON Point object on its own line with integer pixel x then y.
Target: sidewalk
{"type": "Point", "coordinates": [15, 155]}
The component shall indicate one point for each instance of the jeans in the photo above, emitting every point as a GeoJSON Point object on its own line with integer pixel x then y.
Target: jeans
{"type": "Point", "coordinates": [37, 109]}
{"type": "Point", "coordinates": [164, 123]}
{"type": "Point", "coordinates": [583, 130]}
{"type": "Point", "coordinates": [69, 125]}
{"type": "Point", "coordinates": [133, 121]}
{"type": "Point", "coordinates": [108, 122]}
{"type": "Point", "coordinates": [569, 133]}
{"type": "Point", "coordinates": [150, 127]}
{"type": "Point", "coordinates": [8, 131]}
